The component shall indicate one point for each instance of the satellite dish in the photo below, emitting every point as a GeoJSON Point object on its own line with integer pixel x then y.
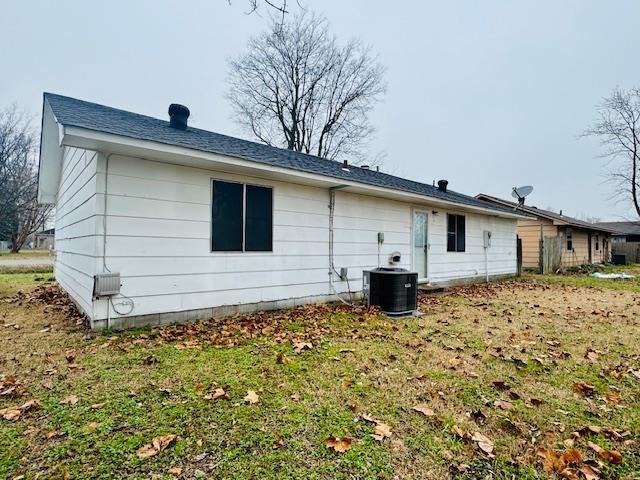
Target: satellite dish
{"type": "Point", "coordinates": [521, 193]}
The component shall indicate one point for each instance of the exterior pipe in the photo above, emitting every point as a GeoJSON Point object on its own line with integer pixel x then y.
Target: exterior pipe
{"type": "Point", "coordinates": [486, 263]}
{"type": "Point", "coordinates": [332, 268]}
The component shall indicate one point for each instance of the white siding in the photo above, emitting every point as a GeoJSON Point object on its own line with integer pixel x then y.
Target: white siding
{"type": "Point", "coordinates": [75, 225]}
{"type": "Point", "coordinates": [158, 238]}
{"type": "Point", "coordinates": [447, 266]}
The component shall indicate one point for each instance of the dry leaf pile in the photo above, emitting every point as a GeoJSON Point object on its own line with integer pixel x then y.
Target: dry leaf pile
{"type": "Point", "coordinates": [54, 298]}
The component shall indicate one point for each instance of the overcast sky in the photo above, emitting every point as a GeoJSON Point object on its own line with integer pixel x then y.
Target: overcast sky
{"type": "Point", "coordinates": [487, 94]}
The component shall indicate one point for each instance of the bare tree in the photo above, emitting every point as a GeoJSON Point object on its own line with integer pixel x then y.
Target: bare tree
{"type": "Point", "coordinates": [297, 88]}
{"type": "Point", "coordinates": [280, 7]}
{"type": "Point", "coordinates": [618, 128]}
{"type": "Point", "coordinates": [20, 214]}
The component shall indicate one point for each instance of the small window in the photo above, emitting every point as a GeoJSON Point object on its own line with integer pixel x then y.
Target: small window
{"type": "Point", "coordinates": [569, 240]}
{"type": "Point", "coordinates": [455, 233]}
{"type": "Point", "coordinates": [241, 218]}
{"type": "Point", "coordinates": [597, 243]}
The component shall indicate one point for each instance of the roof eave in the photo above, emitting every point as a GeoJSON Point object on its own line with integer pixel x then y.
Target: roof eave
{"type": "Point", "coordinates": [50, 157]}
{"type": "Point", "coordinates": [119, 144]}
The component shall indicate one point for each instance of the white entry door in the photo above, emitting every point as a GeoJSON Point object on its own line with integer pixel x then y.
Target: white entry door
{"type": "Point", "coordinates": [420, 243]}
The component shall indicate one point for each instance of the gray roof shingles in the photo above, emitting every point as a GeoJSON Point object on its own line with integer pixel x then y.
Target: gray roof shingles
{"type": "Point", "coordinates": [529, 209]}
{"type": "Point", "coordinates": [78, 113]}
{"type": "Point", "coordinates": [622, 228]}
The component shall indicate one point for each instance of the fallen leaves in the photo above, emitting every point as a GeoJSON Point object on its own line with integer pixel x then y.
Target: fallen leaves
{"type": "Point", "coordinates": [339, 444]}
{"type": "Point", "coordinates": [217, 394]}
{"type": "Point", "coordinates": [252, 397]}
{"type": "Point", "coordinates": [70, 400]}
{"type": "Point", "coordinates": [299, 346]}
{"type": "Point", "coordinates": [282, 358]}
{"type": "Point", "coordinates": [570, 464]}
{"type": "Point", "coordinates": [8, 385]}
{"type": "Point", "coordinates": [13, 413]}
{"type": "Point", "coordinates": [425, 409]}
{"type": "Point", "coordinates": [585, 389]}
{"type": "Point", "coordinates": [483, 443]}
{"type": "Point", "coordinates": [150, 360]}
{"type": "Point", "coordinates": [54, 298]}
{"type": "Point", "coordinates": [503, 404]}
{"type": "Point", "coordinates": [557, 462]}
{"type": "Point", "coordinates": [381, 431]}
{"type": "Point", "coordinates": [591, 355]}
{"type": "Point", "coordinates": [611, 456]}
{"type": "Point", "coordinates": [157, 445]}
{"type": "Point", "coordinates": [54, 433]}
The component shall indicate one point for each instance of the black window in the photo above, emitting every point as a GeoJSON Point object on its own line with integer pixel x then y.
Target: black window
{"type": "Point", "coordinates": [227, 216]}
{"type": "Point", "coordinates": [597, 243]}
{"type": "Point", "coordinates": [258, 232]}
{"type": "Point", "coordinates": [455, 233]}
{"type": "Point", "coordinates": [241, 218]}
{"type": "Point", "coordinates": [569, 240]}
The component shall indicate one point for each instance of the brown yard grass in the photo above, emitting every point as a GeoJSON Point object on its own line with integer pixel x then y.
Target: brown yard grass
{"type": "Point", "coordinates": [509, 378]}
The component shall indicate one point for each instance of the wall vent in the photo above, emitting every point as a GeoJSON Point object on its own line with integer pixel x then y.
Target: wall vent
{"type": "Point", "coordinates": [106, 284]}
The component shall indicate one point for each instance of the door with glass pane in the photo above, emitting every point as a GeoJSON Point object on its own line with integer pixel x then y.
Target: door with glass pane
{"type": "Point", "coordinates": [420, 243]}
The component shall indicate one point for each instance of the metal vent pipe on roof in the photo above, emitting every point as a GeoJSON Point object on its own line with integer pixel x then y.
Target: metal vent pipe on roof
{"type": "Point", "coordinates": [178, 116]}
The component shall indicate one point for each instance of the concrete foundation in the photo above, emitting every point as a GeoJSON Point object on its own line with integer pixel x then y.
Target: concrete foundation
{"type": "Point", "coordinates": [122, 323]}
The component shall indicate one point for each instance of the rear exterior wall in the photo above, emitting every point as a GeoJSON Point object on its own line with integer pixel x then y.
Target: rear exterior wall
{"type": "Point", "coordinates": [154, 224]}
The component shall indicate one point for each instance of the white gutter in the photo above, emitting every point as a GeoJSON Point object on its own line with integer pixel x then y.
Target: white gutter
{"type": "Point", "coordinates": [94, 140]}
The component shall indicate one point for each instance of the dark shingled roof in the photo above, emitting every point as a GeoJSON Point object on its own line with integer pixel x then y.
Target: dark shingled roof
{"type": "Point", "coordinates": [531, 210]}
{"type": "Point", "coordinates": [622, 228]}
{"type": "Point", "coordinates": [78, 113]}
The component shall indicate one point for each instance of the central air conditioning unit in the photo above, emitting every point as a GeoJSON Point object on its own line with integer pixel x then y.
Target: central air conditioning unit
{"type": "Point", "coordinates": [394, 290]}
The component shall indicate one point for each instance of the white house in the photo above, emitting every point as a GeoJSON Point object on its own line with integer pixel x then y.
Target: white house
{"type": "Point", "coordinates": [199, 224]}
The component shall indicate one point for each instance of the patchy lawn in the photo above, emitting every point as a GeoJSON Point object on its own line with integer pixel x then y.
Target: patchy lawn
{"type": "Point", "coordinates": [582, 279]}
{"type": "Point", "coordinates": [513, 380]}
{"type": "Point", "coordinates": [25, 253]}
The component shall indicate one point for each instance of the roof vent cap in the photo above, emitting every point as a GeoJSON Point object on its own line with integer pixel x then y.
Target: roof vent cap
{"type": "Point", "coordinates": [442, 185]}
{"type": "Point", "coordinates": [364, 167]}
{"type": "Point", "coordinates": [178, 115]}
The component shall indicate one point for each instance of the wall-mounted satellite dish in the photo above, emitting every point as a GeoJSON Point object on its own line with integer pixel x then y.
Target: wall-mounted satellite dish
{"type": "Point", "coordinates": [521, 193]}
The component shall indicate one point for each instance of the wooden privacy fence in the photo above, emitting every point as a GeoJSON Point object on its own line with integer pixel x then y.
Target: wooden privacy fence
{"type": "Point", "coordinates": [630, 249]}
{"type": "Point", "coordinates": [550, 254]}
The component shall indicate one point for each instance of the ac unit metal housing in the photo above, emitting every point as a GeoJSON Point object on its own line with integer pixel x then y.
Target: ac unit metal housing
{"type": "Point", "coordinates": [394, 290]}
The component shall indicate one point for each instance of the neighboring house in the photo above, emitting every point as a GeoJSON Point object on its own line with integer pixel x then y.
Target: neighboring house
{"type": "Point", "coordinates": [44, 240]}
{"type": "Point", "coordinates": [625, 240]}
{"type": "Point", "coordinates": [582, 242]}
{"type": "Point", "coordinates": [200, 224]}
{"type": "Point", "coordinates": [622, 231]}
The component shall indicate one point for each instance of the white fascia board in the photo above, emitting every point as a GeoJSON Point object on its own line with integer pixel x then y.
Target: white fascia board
{"type": "Point", "coordinates": [50, 161]}
{"type": "Point", "coordinates": [118, 144]}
